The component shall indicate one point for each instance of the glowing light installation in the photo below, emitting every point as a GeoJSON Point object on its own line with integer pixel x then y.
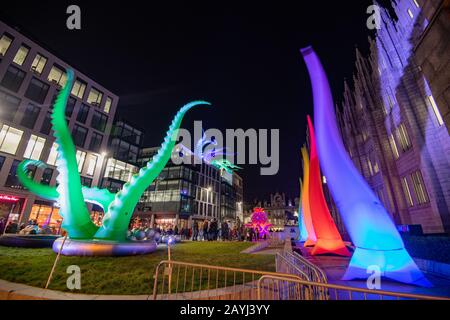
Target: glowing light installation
{"type": "Point", "coordinates": [328, 238]}
{"type": "Point", "coordinates": [213, 156]}
{"type": "Point", "coordinates": [370, 227]}
{"type": "Point", "coordinates": [71, 195]}
{"type": "Point", "coordinates": [259, 222]}
{"type": "Point", "coordinates": [311, 239]}
{"type": "Point", "coordinates": [301, 217]}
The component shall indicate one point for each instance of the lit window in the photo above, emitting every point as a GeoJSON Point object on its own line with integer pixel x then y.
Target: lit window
{"type": "Point", "coordinates": [393, 146]}
{"type": "Point", "coordinates": [108, 104]}
{"type": "Point", "coordinates": [410, 13]}
{"type": "Point", "coordinates": [58, 76]}
{"type": "Point", "coordinates": [92, 163]}
{"type": "Point", "coordinates": [419, 187]}
{"type": "Point", "coordinates": [416, 3]}
{"type": "Point", "coordinates": [436, 111]}
{"type": "Point", "coordinates": [21, 55]}
{"type": "Point", "coordinates": [376, 168]}
{"type": "Point", "coordinates": [95, 97]}
{"type": "Point", "coordinates": [53, 154]}
{"type": "Point", "coordinates": [78, 89]}
{"type": "Point", "coordinates": [38, 63]}
{"type": "Point", "coordinates": [81, 156]}
{"type": "Point", "coordinates": [34, 147]}
{"type": "Point", "coordinates": [407, 193]}
{"type": "Point", "coordinates": [5, 42]}
{"type": "Point", "coordinates": [369, 165]}
{"type": "Point", "coordinates": [10, 139]}
{"type": "Point", "coordinates": [403, 137]}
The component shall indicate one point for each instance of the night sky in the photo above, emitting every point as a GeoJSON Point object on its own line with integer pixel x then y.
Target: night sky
{"type": "Point", "coordinates": [243, 59]}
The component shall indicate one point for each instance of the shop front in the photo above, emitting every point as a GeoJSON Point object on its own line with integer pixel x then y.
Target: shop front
{"type": "Point", "coordinates": [10, 208]}
{"type": "Point", "coordinates": [45, 213]}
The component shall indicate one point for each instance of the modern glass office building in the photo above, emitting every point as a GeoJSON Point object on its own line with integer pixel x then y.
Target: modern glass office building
{"type": "Point", "coordinates": [30, 78]}
{"type": "Point", "coordinates": [186, 192]}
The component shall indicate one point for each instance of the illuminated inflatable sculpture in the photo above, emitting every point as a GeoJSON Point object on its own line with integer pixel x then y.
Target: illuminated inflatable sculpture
{"type": "Point", "coordinates": [311, 239]}
{"type": "Point", "coordinates": [212, 156]}
{"type": "Point", "coordinates": [301, 217]}
{"type": "Point", "coordinates": [328, 238]}
{"type": "Point", "coordinates": [71, 195]}
{"type": "Point", "coordinates": [259, 222]}
{"type": "Point", "coordinates": [378, 243]}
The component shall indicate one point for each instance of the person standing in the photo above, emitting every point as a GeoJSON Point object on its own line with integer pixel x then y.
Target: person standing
{"type": "Point", "coordinates": [195, 231]}
{"type": "Point", "coordinates": [206, 230]}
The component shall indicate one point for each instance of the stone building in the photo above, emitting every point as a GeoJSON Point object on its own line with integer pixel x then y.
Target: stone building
{"type": "Point", "coordinates": [392, 115]}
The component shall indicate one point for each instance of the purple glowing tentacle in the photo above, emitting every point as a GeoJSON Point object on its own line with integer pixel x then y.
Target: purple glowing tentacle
{"type": "Point", "coordinates": [377, 241]}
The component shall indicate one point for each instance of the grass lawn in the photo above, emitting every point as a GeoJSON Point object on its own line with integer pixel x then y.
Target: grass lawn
{"type": "Point", "coordinates": [121, 275]}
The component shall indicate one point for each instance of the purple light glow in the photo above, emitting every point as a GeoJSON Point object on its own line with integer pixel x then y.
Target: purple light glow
{"type": "Point", "coordinates": [369, 225]}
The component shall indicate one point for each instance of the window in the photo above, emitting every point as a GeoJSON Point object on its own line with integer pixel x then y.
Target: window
{"type": "Point", "coordinates": [403, 137]}
{"type": "Point", "coordinates": [13, 181]}
{"type": "Point", "coordinates": [79, 135]}
{"type": "Point", "coordinates": [5, 42]}
{"type": "Point", "coordinates": [47, 125]}
{"type": "Point", "coordinates": [393, 146]}
{"type": "Point", "coordinates": [21, 55]}
{"type": "Point", "coordinates": [99, 121]}
{"type": "Point", "coordinates": [95, 97]}
{"type": "Point", "coordinates": [81, 157]}
{"type": "Point", "coordinates": [47, 176]}
{"type": "Point", "coordinates": [78, 88]}
{"type": "Point", "coordinates": [34, 147]}
{"type": "Point", "coordinates": [9, 105]}
{"type": "Point", "coordinates": [53, 154]}
{"type": "Point", "coordinates": [108, 104]}
{"type": "Point", "coordinates": [2, 161]}
{"type": "Point", "coordinates": [87, 182]}
{"type": "Point", "coordinates": [419, 187]}
{"type": "Point", "coordinates": [436, 111]}
{"type": "Point", "coordinates": [10, 139]}
{"type": "Point", "coordinates": [407, 192]}
{"type": "Point", "coordinates": [57, 75]}
{"type": "Point", "coordinates": [83, 113]}
{"type": "Point", "coordinates": [410, 14]}
{"type": "Point", "coordinates": [119, 170]}
{"type": "Point", "coordinates": [369, 165]}
{"type": "Point", "coordinates": [30, 116]}
{"type": "Point", "coordinates": [13, 78]}
{"type": "Point", "coordinates": [96, 142]}
{"type": "Point", "coordinates": [37, 91]}
{"type": "Point", "coordinates": [92, 163]}
{"type": "Point", "coordinates": [38, 63]}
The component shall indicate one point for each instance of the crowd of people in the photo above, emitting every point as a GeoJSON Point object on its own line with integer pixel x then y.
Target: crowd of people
{"type": "Point", "coordinates": [200, 230]}
{"type": "Point", "coordinates": [31, 227]}
{"type": "Point", "coordinates": [210, 231]}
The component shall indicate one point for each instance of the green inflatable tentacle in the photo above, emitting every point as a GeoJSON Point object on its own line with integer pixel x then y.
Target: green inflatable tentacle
{"type": "Point", "coordinates": [101, 197]}
{"type": "Point", "coordinates": [73, 209]}
{"type": "Point", "coordinates": [117, 218]}
{"type": "Point", "coordinates": [42, 190]}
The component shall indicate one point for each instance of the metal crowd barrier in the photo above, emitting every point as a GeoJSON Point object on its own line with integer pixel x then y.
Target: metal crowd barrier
{"type": "Point", "coordinates": [175, 280]}
{"type": "Point", "coordinates": [281, 288]}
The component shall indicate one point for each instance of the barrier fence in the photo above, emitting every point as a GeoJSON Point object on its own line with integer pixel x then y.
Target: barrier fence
{"type": "Point", "coordinates": [175, 280]}
{"type": "Point", "coordinates": [281, 288]}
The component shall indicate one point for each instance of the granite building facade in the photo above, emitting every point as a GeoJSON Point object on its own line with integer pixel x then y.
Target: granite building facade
{"type": "Point", "coordinates": [392, 116]}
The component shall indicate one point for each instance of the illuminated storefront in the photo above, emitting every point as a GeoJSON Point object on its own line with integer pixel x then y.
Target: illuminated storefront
{"type": "Point", "coordinates": [45, 213]}
{"type": "Point", "coordinates": [10, 207]}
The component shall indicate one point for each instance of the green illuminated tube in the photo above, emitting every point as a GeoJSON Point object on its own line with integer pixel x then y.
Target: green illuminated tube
{"type": "Point", "coordinates": [101, 197]}
{"type": "Point", "coordinates": [118, 215]}
{"type": "Point", "coordinates": [76, 217]}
